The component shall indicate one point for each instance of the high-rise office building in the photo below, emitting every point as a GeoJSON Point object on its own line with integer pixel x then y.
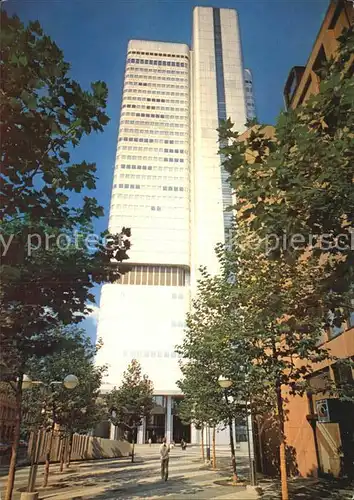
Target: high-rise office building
{"type": "Point", "coordinates": [170, 188]}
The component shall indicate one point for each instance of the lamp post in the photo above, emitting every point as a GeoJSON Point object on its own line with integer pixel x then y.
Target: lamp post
{"type": "Point", "coordinates": [69, 382]}
{"type": "Point", "coordinates": [249, 427]}
{"type": "Point", "coordinates": [225, 384]}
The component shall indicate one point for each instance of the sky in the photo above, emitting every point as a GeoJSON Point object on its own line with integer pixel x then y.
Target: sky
{"type": "Point", "coordinates": [93, 34]}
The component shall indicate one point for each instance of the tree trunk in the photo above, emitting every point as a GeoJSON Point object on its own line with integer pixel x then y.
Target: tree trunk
{"type": "Point", "coordinates": [47, 459]}
{"type": "Point", "coordinates": [260, 444]}
{"type": "Point", "coordinates": [16, 440]}
{"type": "Point", "coordinates": [135, 431]}
{"type": "Point", "coordinates": [69, 449]}
{"type": "Point", "coordinates": [62, 454]}
{"type": "Point", "coordinates": [202, 443]}
{"type": "Point", "coordinates": [233, 454]}
{"type": "Point", "coordinates": [282, 452]}
{"type": "Point", "coordinates": [214, 450]}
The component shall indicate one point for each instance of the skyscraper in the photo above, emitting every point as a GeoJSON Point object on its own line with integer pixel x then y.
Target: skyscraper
{"type": "Point", "coordinates": [170, 188]}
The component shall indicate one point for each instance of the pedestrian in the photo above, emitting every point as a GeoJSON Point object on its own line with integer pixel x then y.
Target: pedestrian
{"type": "Point", "coordinates": [150, 441]}
{"type": "Point", "coordinates": [165, 456]}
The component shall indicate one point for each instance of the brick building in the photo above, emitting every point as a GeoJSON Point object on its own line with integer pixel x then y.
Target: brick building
{"type": "Point", "coordinates": [319, 429]}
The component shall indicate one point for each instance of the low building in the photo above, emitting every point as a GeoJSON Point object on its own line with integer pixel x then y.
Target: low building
{"type": "Point", "coordinates": [319, 429]}
{"type": "Point", "coordinates": [304, 81]}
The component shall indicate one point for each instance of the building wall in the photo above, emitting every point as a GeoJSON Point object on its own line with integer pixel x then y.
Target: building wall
{"type": "Point", "coordinates": [338, 17]}
{"type": "Point", "coordinates": [218, 93]}
{"type": "Point", "coordinates": [302, 438]}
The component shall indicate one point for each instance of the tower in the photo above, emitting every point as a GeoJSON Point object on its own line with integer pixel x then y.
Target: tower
{"type": "Point", "coordinates": [170, 188]}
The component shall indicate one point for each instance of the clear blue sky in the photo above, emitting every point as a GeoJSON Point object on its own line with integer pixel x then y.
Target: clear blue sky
{"type": "Point", "coordinates": [276, 35]}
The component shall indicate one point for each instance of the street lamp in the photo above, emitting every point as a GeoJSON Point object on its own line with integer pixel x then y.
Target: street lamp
{"type": "Point", "coordinates": [249, 427]}
{"type": "Point", "coordinates": [69, 382]}
{"type": "Point", "coordinates": [27, 382]}
{"type": "Point", "coordinates": [225, 384]}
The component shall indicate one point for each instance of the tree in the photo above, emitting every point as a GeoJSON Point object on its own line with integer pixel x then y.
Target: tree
{"type": "Point", "coordinates": [208, 354]}
{"type": "Point", "coordinates": [71, 411]}
{"type": "Point", "coordinates": [45, 114]}
{"type": "Point", "coordinates": [294, 195]}
{"type": "Point", "coordinates": [132, 401]}
{"type": "Point", "coordinates": [202, 404]}
{"type": "Point", "coordinates": [295, 188]}
{"type": "Point", "coordinates": [259, 324]}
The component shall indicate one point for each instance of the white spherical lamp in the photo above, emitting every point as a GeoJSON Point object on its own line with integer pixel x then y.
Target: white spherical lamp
{"type": "Point", "coordinates": [71, 381]}
{"type": "Point", "coordinates": [224, 383]}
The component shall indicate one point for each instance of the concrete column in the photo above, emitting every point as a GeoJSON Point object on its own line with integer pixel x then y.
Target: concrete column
{"type": "Point", "coordinates": [112, 432]}
{"type": "Point", "coordinates": [195, 435]}
{"type": "Point", "coordinates": [141, 433]}
{"type": "Point", "coordinates": [169, 420]}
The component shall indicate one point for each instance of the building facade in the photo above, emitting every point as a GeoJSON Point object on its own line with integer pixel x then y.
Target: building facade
{"type": "Point", "coordinates": [319, 428]}
{"type": "Point", "coordinates": [170, 188]}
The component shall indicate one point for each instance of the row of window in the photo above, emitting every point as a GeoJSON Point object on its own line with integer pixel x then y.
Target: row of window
{"type": "Point", "coordinates": [128, 130]}
{"type": "Point", "coordinates": [155, 150]}
{"type": "Point", "coordinates": [149, 141]}
{"type": "Point", "coordinates": [164, 108]}
{"type": "Point", "coordinates": [150, 354]}
{"type": "Point", "coordinates": [158, 62]}
{"type": "Point", "coordinates": [150, 167]}
{"type": "Point", "coordinates": [158, 54]}
{"type": "Point", "coordinates": [137, 208]}
{"type": "Point", "coordinates": [154, 92]}
{"type": "Point", "coordinates": [154, 275]}
{"type": "Point", "coordinates": [178, 324]}
{"type": "Point", "coordinates": [154, 115]}
{"type": "Point", "coordinates": [152, 158]}
{"type": "Point", "coordinates": [149, 186]}
{"type": "Point", "coordinates": [154, 84]}
{"type": "Point", "coordinates": [160, 124]}
{"type": "Point", "coordinates": [147, 196]}
{"type": "Point", "coordinates": [142, 72]}
{"type": "Point", "coordinates": [153, 77]}
{"type": "Point", "coordinates": [151, 177]}
{"type": "Point", "coordinates": [156, 99]}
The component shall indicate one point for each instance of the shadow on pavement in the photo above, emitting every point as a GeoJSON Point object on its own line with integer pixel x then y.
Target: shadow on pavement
{"type": "Point", "coordinates": [130, 489]}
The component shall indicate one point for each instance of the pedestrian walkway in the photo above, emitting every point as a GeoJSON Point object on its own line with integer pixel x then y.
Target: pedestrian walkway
{"type": "Point", "coordinates": [111, 479]}
{"type": "Point", "coordinates": [188, 479]}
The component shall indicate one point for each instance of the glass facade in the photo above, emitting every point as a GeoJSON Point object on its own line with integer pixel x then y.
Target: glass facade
{"type": "Point", "coordinates": [221, 105]}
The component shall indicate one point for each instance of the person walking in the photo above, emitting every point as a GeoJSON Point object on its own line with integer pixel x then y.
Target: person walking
{"type": "Point", "coordinates": [165, 456]}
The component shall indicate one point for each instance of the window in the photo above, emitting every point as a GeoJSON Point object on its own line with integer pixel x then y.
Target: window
{"type": "Point", "coordinates": [304, 92]}
{"type": "Point", "coordinates": [342, 373]}
{"type": "Point", "coordinates": [319, 63]}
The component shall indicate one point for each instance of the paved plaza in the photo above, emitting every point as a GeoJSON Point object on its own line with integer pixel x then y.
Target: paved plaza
{"type": "Point", "coordinates": [189, 479]}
